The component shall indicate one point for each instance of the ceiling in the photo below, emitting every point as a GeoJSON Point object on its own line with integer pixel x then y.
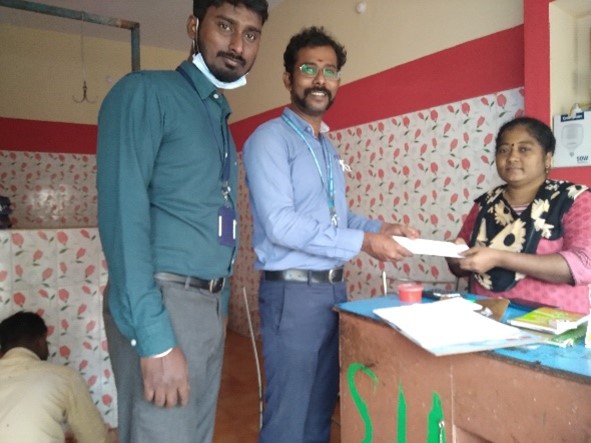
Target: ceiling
{"type": "Point", "coordinates": [162, 23]}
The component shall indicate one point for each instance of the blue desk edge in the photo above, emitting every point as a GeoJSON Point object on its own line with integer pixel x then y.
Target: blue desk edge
{"type": "Point", "coordinates": [575, 360]}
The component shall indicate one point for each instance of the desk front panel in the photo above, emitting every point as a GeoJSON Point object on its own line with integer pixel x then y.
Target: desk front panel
{"type": "Point", "coordinates": [391, 387]}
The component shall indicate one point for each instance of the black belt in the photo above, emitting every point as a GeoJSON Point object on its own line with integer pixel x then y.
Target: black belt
{"type": "Point", "coordinates": [335, 275]}
{"type": "Point", "coordinates": [214, 286]}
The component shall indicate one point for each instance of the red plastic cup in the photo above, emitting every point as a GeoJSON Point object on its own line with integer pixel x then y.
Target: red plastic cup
{"type": "Point", "coordinates": [410, 292]}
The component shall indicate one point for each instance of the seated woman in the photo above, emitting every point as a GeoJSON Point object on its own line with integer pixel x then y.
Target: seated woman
{"type": "Point", "coordinates": [531, 237]}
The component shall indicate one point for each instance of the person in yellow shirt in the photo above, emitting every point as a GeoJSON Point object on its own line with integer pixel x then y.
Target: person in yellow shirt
{"type": "Point", "coordinates": [37, 398]}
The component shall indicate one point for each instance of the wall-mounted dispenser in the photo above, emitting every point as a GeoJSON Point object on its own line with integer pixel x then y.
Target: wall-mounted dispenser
{"type": "Point", "coordinates": [573, 139]}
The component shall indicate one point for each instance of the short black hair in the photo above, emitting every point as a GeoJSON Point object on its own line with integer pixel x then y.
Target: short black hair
{"type": "Point", "coordinates": [21, 328]}
{"type": "Point", "coordinates": [311, 37]}
{"type": "Point", "coordinates": [536, 128]}
{"type": "Point", "coordinates": [261, 7]}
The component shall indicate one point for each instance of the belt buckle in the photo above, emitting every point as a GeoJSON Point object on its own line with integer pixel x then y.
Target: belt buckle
{"type": "Point", "coordinates": [331, 275]}
{"type": "Point", "coordinates": [216, 285]}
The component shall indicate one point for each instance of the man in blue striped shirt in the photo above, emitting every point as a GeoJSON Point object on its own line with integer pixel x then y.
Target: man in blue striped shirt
{"type": "Point", "coordinates": [304, 233]}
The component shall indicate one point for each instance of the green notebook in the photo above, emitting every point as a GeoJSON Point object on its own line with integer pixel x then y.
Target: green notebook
{"type": "Point", "coordinates": [568, 338]}
{"type": "Point", "coordinates": [551, 320]}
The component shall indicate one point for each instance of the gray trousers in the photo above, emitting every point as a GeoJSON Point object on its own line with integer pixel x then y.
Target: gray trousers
{"type": "Point", "coordinates": [198, 324]}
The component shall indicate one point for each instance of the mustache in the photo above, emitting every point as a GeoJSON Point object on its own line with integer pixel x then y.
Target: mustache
{"type": "Point", "coordinates": [232, 56]}
{"type": "Point", "coordinates": [309, 91]}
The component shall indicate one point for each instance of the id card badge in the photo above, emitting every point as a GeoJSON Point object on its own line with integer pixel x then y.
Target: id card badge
{"type": "Point", "coordinates": [227, 226]}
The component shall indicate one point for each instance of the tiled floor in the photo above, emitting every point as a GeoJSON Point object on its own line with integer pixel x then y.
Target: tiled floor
{"type": "Point", "coordinates": [237, 419]}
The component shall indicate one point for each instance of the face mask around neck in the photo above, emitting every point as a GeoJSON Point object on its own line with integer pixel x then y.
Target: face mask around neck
{"type": "Point", "coordinates": [200, 63]}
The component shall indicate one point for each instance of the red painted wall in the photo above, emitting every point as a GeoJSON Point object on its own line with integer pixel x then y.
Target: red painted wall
{"type": "Point", "coordinates": [40, 136]}
{"type": "Point", "coordinates": [482, 66]}
{"type": "Point", "coordinates": [536, 37]}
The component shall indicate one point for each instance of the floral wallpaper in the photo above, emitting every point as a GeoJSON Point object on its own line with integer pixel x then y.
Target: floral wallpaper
{"type": "Point", "coordinates": [49, 190]}
{"type": "Point", "coordinates": [423, 168]}
{"type": "Point", "coordinates": [61, 274]}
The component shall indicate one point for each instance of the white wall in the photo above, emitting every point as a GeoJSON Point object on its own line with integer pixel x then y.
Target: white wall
{"type": "Point", "coordinates": [388, 34]}
{"type": "Point", "coordinates": [41, 70]}
{"type": "Point", "coordinates": [570, 60]}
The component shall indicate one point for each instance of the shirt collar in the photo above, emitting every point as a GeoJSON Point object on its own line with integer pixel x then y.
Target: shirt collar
{"type": "Point", "coordinates": [204, 87]}
{"type": "Point", "coordinates": [303, 124]}
{"type": "Point", "coordinates": [20, 353]}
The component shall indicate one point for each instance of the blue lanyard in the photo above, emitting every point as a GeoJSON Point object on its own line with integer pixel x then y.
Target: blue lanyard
{"type": "Point", "coordinates": [225, 148]}
{"type": "Point", "coordinates": [327, 159]}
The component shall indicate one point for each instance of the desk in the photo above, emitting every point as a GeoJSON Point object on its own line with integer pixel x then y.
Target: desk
{"type": "Point", "coordinates": [391, 388]}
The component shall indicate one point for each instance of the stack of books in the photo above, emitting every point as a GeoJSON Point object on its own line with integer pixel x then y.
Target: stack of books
{"type": "Point", "coordinates": [564, 328]}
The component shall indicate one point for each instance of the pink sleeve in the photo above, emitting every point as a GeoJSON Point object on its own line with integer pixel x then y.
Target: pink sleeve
{"type": "Point", "coordinates": [466, 231]}
{"type": "Point", "coordinates": [577, 239]}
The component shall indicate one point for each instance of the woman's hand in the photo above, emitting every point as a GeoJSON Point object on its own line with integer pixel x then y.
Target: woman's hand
{"type": "Point", "coordinates": [479, 259]}
{"type": "Point", "coordinates": [546, 267]}
{"type": "Point", "coordinates": [454, 263]}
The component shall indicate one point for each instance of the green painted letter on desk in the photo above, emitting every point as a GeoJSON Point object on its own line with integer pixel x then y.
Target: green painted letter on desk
{"type": "Point", "coordinates": [361, 405]}
{"type": "Point", "coordinates": [401, 432]}
{"type": "Point", "coordinates": [436, 425]}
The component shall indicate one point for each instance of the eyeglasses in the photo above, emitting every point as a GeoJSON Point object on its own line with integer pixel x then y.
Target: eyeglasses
{"type": "Point", "coordinates": [329, 72]}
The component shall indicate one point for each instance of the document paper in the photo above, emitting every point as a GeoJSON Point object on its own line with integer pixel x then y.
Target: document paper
{"type": "Point", "coordinates": [452, 327]}
{"type": "Point", "coordinates": [430, 247]}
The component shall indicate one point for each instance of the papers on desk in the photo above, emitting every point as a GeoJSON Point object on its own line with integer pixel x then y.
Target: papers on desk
{"type": "Point", "coordinates": [430, 247]}
{"type": "Point", "coordinates": [453, 327]}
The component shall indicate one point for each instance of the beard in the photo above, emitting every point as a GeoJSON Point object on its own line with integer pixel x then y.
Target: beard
{"type": "Point", "coordinates": [309, 109]}
{"type": "Point", "coordinates": [222, 73]}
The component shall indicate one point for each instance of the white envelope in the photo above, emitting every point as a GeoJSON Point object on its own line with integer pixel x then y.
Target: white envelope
{"type": "Point", "coordinates": [430, 247]}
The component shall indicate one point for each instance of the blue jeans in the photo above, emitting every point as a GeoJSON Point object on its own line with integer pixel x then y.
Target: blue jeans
{"type": "Point", "coordinates": [300, 336]}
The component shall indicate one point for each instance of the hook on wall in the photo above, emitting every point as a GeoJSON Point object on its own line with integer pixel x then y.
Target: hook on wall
{"type": "Point", "coordinates": [84, 95]}
{"type": "Point", "coordinates": [84, 87]}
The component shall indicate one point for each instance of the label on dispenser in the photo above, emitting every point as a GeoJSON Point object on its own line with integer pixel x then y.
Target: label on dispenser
{"type": "Point", "coordinates": [573, 140]}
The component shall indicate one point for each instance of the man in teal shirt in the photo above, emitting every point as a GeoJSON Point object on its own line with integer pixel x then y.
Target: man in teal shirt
{"type": "Point", "coordinates": [167, 180]}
